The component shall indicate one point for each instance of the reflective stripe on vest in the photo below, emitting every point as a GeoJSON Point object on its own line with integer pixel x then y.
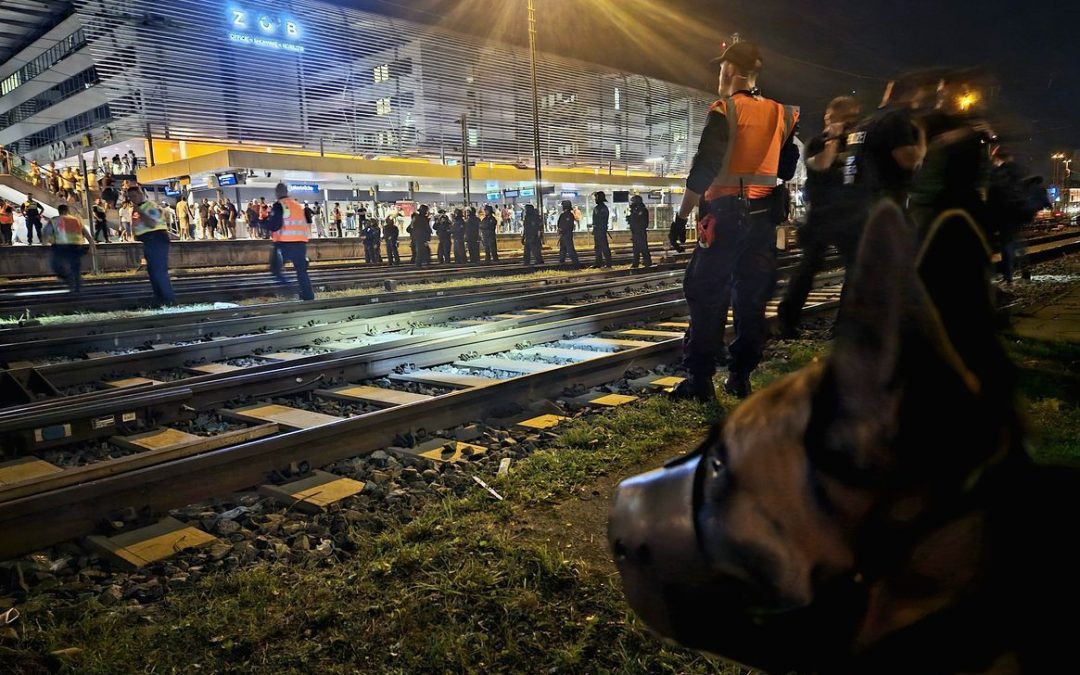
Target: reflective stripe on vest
{"type": "Point", "coordinates": [68, 230]}
{"type": "Point", "coordinates": [146, 218]}
{"type": "Point", "coordinates": [757, 130]}
{"type": "Point", "coordinates": [294, 227]}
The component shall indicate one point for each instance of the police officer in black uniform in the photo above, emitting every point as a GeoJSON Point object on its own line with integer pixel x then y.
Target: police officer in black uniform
{"type": "Point", "coordinates": [444, 230]}
{"type": "Point", "coordinates": [884, 151]}
{"type": "Point", "coordinates": [472, 236]}
{"type": "Point", "coordinates": [420, 234]}
{"type": "Point", "coordinates": [638, 218]}
{"type": "Point", "coordinates": [390, 235]}
{"type": "Point", "coordinates": [733, 182]}
{"type": "Point", "coordinates": [566, 226]}
{"type": "Point", "coordinates": [601, 216]}
{"type": "Point", "coordinates": [457, 230]}
{"type": "Point", "coordinates": [532, 236]}
{"type": "Point", "coordinates": [488, 228]}
{"type": "Point", "coordinates": [832, 218]}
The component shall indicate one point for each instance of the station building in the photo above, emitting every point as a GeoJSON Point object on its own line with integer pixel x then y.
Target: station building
{"type": "Point", "coordinates": [340, 103]}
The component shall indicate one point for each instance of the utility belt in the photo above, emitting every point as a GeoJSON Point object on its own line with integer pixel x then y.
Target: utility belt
{"type": "Point", "coordinates": [737, 210]}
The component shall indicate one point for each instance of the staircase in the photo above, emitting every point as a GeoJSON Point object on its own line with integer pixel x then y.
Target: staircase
{"type": "Point", "coordinates": [14, 188]}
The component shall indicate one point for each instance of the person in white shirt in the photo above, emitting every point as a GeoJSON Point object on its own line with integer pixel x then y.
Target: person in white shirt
{"type": "Point", "coordinates": [125, 221]}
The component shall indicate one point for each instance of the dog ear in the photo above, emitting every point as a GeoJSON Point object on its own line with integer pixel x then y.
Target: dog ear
{"type": "Point", "coordinates": [870, 329]}
{"type": "Point", "coordinates": [954, 268]}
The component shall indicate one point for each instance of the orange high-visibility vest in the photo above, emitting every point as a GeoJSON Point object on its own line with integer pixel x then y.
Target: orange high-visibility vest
{"type": "Point", "coordinates": [294, 227]}
{"type": "Point", "coordinates": [757, 129]}
{"type": "Point", "coordinates": [6, 217]}
{"type": "Point", "coordinates": [68, 230]}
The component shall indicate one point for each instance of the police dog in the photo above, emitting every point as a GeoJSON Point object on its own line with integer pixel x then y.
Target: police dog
{"type": "Point", "coordinates": [875, 512]}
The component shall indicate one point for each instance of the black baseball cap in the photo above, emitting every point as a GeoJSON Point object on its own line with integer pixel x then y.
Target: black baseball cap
{"type": "Point", "coordinates": [745, 55]}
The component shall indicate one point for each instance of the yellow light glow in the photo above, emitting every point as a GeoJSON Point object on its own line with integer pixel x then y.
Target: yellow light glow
{"type": "Point", "coordinates": [966, 101]}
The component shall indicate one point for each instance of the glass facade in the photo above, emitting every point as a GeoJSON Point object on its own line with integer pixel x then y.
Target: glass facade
{"type": "Point", "coordinates": [307, 75]}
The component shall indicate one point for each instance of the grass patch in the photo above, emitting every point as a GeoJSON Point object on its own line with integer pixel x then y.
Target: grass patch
{"type": "Point", "coordinates": [1050, 383]}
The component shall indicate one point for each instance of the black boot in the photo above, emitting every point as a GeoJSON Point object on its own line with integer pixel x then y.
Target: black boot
{"type": "Point", "coordinates": [737, 384]}
{"type": "Point", "coordinates": [700, 389]}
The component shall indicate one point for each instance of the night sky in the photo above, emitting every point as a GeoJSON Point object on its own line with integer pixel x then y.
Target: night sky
{"type": "Point", "coordinates": [815, 50]}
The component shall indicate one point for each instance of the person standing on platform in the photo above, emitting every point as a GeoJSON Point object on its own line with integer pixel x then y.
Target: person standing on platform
{"type": "Point", "coordinates": [228, 225]}
{"type": "Point", "coordinates": [566, 225]}
{"type": "Point", "coordinates": [444, 230]}
{"type": "Point", "coordinates": [101, 223]}
{"type": "Point", "coordinates": [532, 236]}
{"type": "Point", "coordinates": [488, 227]}
{"type": "Point", "coordinates": [32, 214]}
{"type": "Point", "coordinates": [638, 218]}
{"type": "Point", "coordinates": [335, 231]}
{"type": "Point", "coordinates": [472, 236]}
{"type": "Point", "coordinates": [183, 217]}
{"type": "Point", "coordinates": [126, 212]}
{"type": "Point", "coordinates": [600, 219]}
{"type": "Point", "coordinates": [290, 232]}
{"type": "Point", "coordinates": [391, 234]}
{"type": "Point", "coordinates": [211, 223]}
{"type": "Point", "coordinates": [70, 241]}
{"type": "Point", "coordinates": [204, 218]}
{"type": "Point", "coordinates": [746, 146]}
{"type": "Point", "coordinates": [458, 231]}
{"type": "Point", "coordinates": [148, 226]}
{"type": "Point", "coordinates": [7, 223]}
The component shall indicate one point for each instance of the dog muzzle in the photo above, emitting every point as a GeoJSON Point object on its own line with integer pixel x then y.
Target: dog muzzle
{"type": "Point", "coordinates": [668, 579]}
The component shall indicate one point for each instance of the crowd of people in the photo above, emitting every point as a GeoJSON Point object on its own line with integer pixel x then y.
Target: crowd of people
{"type": "Point", "coordinates": [926, 148]}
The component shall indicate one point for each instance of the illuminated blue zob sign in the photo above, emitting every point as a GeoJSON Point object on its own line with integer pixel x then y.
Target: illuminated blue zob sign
{"type": "Point", "coordinates": [264, 29]}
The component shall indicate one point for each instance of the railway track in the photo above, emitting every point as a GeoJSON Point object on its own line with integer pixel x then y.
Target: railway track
{"type": "Point", "coordinates": [272, 425]}
{"type": "Point", "coordinates": [356, 403]}
{"type": "Point", "coordinates": [49, 297]}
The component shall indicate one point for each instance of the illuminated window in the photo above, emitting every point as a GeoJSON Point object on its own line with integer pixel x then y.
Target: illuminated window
{"type": "Point", "coordinates": [474, 138]}
{"type": "Point", "coordinates": [382, 73]}
{"type": "Point", "coordinates": [618, 98]}
{"type": "Point", "coordinates": [618, 151]}
{"type": "Point", "coordinates": [382, 106]}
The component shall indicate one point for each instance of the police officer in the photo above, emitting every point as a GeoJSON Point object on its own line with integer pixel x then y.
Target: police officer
{"type": "Point", "coordinates": [420, 234]}
{"type": "Point", "coordinates": [457, 229]}
{"type": "Point", "coordinates": [638, 218]}
{"type": "Point", "coordinates": [566, 226]}
{"type": "Point", "coordinates": [733, 180]}
{"type": "Point", "coordinates": [444, 229]}
{"type": "Point", "coordinates": [600, 218]}
{"type": "Point", "coordinates": [832, 218]}
{"type": "Point", "coordinates": [371, 243]}
{"type": "Point", "coordinates": [472, 236]}
{"type": "Point", "coordinates": [70, 241]}
{"type": "Point", "coordinates": [488, 227]}
{"type": "Point", "coordinates": [956, 169]}
{"type": "Point", "coordinates": [390, 235]}
{"type": "Point", "coordinates": [149, 227]}
{"type": "Point", "coordinates": [290, 232]}
{"type": "Point", "coordinates": [885, 150]}
{"type": "Point", "coordinates": [32, 214]}
{"type": "Point", "coordinates": [532, 236]}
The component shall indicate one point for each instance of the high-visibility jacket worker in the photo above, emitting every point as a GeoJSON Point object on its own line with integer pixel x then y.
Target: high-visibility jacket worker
{"type": "Point", "coordinates": [290, 232]}
{"type": "Point", "coordinates": [746, 149]}
{"type": "Point", "coordinates": [149, 226]}
{"type": "Point", "coordinates": [70, 240]}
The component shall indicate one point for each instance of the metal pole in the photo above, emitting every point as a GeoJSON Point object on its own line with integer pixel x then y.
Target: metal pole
{"type": "Point", "coordinates": [150, 161]}
{"type": "Point", "coordinates": [536, 107]}
{"type": "Point", "coordinates": [89, 210]}
{"type": "Point", "coordinates": [465, 158]}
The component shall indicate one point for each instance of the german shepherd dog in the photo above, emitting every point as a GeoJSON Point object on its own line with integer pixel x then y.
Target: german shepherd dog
{"type": "Point", "coordinates": [875, 512]}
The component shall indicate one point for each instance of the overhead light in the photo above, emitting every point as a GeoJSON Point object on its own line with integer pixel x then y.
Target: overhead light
{"type": "Point", "coordinates": [654, 160]}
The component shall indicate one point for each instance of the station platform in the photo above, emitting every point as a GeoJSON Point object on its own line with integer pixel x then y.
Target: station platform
{"type": "Point", "coordinates": [33, 261]}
